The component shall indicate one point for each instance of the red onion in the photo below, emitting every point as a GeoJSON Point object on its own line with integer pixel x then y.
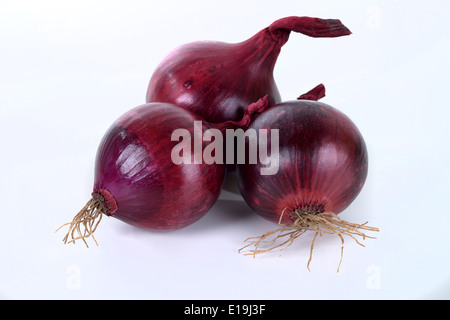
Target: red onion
{"type": "Point", "coordinates": [219, 80]}
{"type": "Point", "coordinates": [322, 168]}
{"type": "Point", "coordinates": [136, 179]}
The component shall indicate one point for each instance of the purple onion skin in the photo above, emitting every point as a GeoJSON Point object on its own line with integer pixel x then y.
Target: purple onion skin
{"type": "Point", "coordinates": [134, 164]}
{"type": "Point", "coordinates": [197, 76]}
{"type": "Point", "coordinates": [219, 80]}
{"type": "Point", "coordinates": [323, 162]}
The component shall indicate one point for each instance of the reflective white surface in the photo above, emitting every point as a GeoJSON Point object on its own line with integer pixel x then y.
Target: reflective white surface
{"type": "Point", "coordinates": [69, 69]}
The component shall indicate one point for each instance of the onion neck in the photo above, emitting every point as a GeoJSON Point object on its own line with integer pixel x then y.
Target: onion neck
{"type": "Point", "coordinates": [250, 113]}
{"type": "Point", "coordinates": [262, 50]}
{"type": "Point", "coordinates": [314, 94]}
{"type": "Point", "coordinates": [264, 47]}
{"type": "Point", "coordinates": [312, 27]}
{"type": "Point", "coordinates": [254, 109]}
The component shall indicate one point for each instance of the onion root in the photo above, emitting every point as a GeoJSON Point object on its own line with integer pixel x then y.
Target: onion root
{"type": "Point", "coordinates": [89, 217]}
{"type": "Point", "coordinates": [304, 220]}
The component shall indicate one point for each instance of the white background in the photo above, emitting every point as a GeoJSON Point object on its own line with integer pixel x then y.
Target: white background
{"type": "Point", "coordinates": [68, 69]}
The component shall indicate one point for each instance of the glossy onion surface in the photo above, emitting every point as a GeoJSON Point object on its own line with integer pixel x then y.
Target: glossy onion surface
{"type": "Point", "coordinates": [134, 164]}
{"type": "Point", "coordinates": [322, 162]}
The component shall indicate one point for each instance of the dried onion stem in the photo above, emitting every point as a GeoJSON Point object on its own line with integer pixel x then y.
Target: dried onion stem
{"type": "Point", "coordinates": [320, 223]}
{"type": "Point", "coordinates": [89, 217]}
